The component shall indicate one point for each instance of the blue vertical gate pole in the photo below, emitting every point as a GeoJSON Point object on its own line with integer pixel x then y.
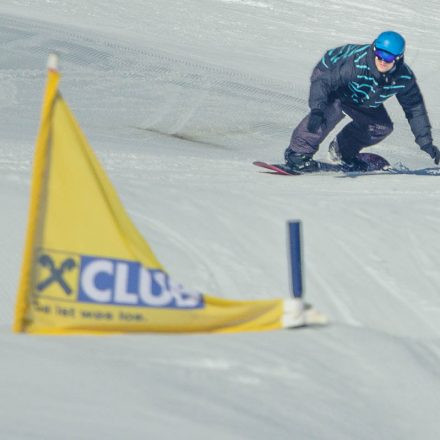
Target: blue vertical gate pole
{"type": "Point", "coordinates": [295, 258]}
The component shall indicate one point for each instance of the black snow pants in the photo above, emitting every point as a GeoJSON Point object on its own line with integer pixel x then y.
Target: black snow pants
{"type": "Point", "coordinates": [368, 127]}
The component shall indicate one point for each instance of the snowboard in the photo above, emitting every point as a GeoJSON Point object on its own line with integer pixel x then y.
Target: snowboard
{"type": "Point", "coordinates": [374, 161]}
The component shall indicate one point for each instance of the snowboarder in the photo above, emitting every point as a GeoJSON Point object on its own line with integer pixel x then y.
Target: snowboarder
{"type": "Point", "coordinates": [355, 80]}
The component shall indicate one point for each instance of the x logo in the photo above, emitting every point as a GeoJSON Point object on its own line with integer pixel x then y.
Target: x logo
{"type": "Point", "coordinates": [56, 273]}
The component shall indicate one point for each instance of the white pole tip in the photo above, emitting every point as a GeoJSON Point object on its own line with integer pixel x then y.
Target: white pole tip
{"type": "Point", "coordinates": [52, 62]}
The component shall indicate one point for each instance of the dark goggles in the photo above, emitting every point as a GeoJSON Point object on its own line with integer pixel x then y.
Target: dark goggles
{"type": "Point", "coordinates": [383, 55]}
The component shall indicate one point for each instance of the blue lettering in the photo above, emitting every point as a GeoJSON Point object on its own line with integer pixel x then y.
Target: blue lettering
{"type": "Point", "coordinates": [128, 283]}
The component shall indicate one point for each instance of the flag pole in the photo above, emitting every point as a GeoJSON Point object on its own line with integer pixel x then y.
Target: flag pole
{"type": "Point", "coordinates": [39, 174]}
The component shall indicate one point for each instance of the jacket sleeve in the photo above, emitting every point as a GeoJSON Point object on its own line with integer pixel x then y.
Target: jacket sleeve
{"type": "Point", "coordinates": [324, 81]}
{"type": "Point", "coordinates": [328, 75]}
{"type": "Point", "coordinates": [413, 105]}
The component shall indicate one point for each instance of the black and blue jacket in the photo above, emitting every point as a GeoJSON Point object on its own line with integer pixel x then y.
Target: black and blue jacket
{"type": "Point", "coordinates": [349, 73]}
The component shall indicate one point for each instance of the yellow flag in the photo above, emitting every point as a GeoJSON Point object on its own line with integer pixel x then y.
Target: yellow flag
{"type": "Point", "coordinates": [87, 269]}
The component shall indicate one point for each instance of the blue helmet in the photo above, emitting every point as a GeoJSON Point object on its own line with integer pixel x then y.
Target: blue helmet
{"type": "Point", "coordinates": [391, 42]}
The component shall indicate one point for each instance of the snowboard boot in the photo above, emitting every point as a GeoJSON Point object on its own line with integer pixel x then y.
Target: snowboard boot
{"type": "Point", "coordinates": [333, 151]}
{"type": "Point", "coordinates": [347, 164]}
{"type": "Point", "coordinates": [300, 162]}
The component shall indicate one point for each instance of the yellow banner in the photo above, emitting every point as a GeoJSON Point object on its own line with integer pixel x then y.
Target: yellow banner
{"type": "Point", "coordinates": [87, 269]}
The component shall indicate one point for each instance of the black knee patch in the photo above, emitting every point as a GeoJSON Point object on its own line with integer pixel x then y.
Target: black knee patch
{"type": "Point", "coordinates": [380, 130]}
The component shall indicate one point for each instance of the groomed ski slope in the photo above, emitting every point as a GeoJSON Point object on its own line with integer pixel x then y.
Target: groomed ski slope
{"type": "Point", "coordinates": [177, 99]}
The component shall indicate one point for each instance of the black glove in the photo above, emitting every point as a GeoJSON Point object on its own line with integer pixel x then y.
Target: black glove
{"type": "Point", "coordinates": [316, 119]}
{"type": "Point", "coordinates": [433, 151]}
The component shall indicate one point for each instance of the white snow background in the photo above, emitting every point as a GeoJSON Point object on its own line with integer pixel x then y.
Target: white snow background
{"type": "Point", "coordinates": [177, 98]}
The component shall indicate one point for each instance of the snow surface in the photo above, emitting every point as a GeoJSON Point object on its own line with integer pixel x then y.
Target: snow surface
{"type": "Point", "coordinates": [177, 98]}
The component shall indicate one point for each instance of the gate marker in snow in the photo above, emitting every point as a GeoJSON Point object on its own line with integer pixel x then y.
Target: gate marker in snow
{"type": "Point", "coordinates": [311, 316]}
{"type": "Point", "coordinates": [295, 260]}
